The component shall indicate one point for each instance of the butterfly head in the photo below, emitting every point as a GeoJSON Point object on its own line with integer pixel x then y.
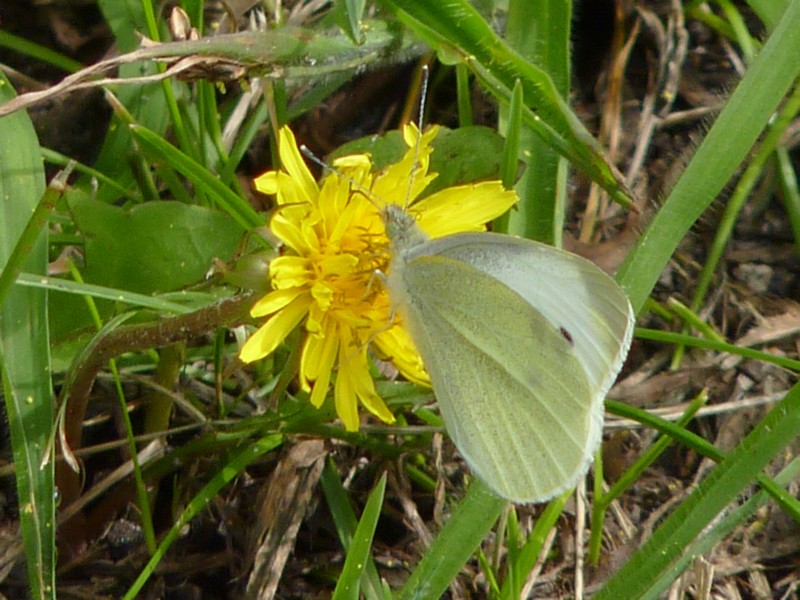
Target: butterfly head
{"type": "Point", "coordinates": [401, 228]}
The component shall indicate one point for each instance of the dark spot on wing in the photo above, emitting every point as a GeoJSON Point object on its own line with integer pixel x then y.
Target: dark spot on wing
{"type": "Point", "coordinates": [567, 336]}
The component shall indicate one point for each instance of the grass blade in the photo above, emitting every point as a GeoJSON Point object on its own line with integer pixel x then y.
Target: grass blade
{"type": "Point", "coordinates": [653, 566]}
{"type": "Point", "coordinates": [542, 37]}
{"type": "Point", "coordinates": [737, 128]}
{"type": "Point", "coordinates": [24, 350]}
{"type": "Point", "coordinates": [455, 28]}
{"type": "Point", "coordinates": [460, 537]}
{"type": "Point", "coordinates": [226, 473]}
{"type": "Point", "coordinates": [345, 520]}
{"type": "Point", "coordinates": [347, 588]}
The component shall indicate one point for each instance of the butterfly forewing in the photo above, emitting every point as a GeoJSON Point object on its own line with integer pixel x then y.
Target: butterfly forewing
{"type": "Point", "coordinates": [573, 294]}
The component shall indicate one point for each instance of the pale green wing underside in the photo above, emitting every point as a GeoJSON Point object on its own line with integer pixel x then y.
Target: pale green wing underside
{"type": "Point", "coordinates": [571, 292]}
{"type": "Point", "coordinates": [510, 385]}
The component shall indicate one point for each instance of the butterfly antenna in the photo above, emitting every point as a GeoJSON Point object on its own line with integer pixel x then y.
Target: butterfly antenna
{"type": "Point", "coordinates": [423, 98]}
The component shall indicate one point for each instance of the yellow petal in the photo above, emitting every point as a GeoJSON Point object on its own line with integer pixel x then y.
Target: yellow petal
{"type": "Point", "coordinates": [274, 301]}
{"type": "Point", "coordinates": [267, 183]}
{"type": "Point", "coordinates": [344, 395]}
{"type": "Point", "coordinates": [354, 162]}
{"type": "Point", "coordinates": [403, 181]}
{"type": "Point", "coordinates": [291, 272]}
{"type": "Point", "coordinates": [364, 386]}
{"type": "Point", "coordinates": [319, 354]}
{"type": "Point", "coordinates": [411, 135]}
{"type": "Point", "coordinates": [264, 341]}
{"type": "Point", "coordinates": [463, 208]}
{"type": "Point", "coordinates": [319, 390]}
{"type": "Point", "coordinates": [394, 344]}
{"type": "Point", "coordinates": [290, 232]}
{"type": "Point", "coordinates": [316, 364]}
{"type": "Point", "coordinates": [293, 163]}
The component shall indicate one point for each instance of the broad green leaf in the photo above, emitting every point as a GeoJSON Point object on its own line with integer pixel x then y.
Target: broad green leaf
{"type": "Point", "coordinates": [153, 247]}
{"type": "Point", "coordinates": [453, 165]}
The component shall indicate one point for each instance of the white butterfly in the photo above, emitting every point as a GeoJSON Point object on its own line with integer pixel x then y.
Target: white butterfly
{"type": "Point", "coordinates": [522, 342]}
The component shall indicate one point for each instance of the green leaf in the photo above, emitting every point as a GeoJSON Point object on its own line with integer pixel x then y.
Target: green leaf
{"type": "Point", "coordinates": [453, 165]}
{"type": "Point", "coordinates": [24, 350]}
{"type": "Point", "coordinates": [154, 247]}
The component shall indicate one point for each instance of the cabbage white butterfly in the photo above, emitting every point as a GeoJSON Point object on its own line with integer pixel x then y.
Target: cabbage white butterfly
{"type": "Point", "coordinates": [522, 342]}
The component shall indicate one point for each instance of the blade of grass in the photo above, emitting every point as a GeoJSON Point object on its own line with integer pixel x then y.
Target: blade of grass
{"type": "Point", "coordinates": [159, 149]}
{"type": "Point", "coordinates": [680, 338]}
{"type": "Point", "coordinates": [524, 559]}
{"type": "Point", "coordinates": [463, 99]}
{"type": "Point", "coordinates": [31, 233]}
{"type": "Point", "coordinates": [345, 521]}
{"type": "Point", "coordinates": [790, 504]}
{"type": "Point", "coordinates": [744, 187]}
{"type": "Point", "coordinates": [769, 11]}
{"type": "Point", "coordinates": [460, 33]}
{"type": "Point", "coordinates": [176, 119]}
{"type": "Point", "coordinates": [146, 517]}
{"type": "Point", "coordinates": [467, 527]}
{"type": "Point", "coordinates": [790, 191]}
{"type": "Point", "coordinates": [146, 103]}
{"type": "Point", "coordinates": [25, 349]}
{"type": "Point", "coordinates": [542, 37]}
{"type": "Point", "coordinates": [350, 13]}
{"type": "Point", "coordinates": [743, 37]}
{"type": "Point", "coordinates": [652, 567]}
{"type": "Point", "coordinates": [727, 523]}
{"type": "Point", "coordinates": [348, 586]}
{"type": "Point", "coordinates": [29, 280]}
{"type": "Point", "coordinates": [737, 128]}
{"type": "Point", "coordinates": [602, 500]}
{"type": "Point", "coordinates": [40, 53]}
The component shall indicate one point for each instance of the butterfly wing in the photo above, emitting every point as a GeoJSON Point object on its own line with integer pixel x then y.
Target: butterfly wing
{"type": "Point", "coordinates": [572, 293]}
{"type": "Point", "coordinates": [514, 396]}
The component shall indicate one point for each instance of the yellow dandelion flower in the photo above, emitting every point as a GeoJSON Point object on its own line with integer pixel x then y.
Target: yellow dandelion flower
{"type": "Point", "coordinates": [334, 243]}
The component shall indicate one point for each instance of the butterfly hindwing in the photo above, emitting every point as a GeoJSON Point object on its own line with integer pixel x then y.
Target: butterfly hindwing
{"type": "Point", "coordinates": [512, 391]}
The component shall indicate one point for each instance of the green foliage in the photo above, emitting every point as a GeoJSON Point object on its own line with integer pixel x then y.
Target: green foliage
{"type": "Point", "coordinates": [154, 247]}
{"type": "Point", "coordinates": [24, 346]}
{"type": "Point", "coordinates": [163, 204]}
